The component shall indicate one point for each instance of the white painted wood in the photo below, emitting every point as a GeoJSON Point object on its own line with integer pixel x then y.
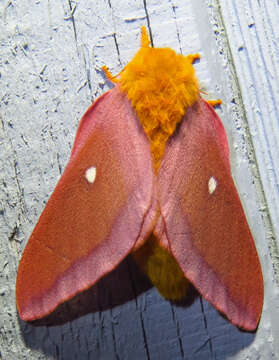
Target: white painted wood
{"type": "Point", "coordinates": [51, 58]}
{"type": "Point", "coordinates": [252, 36]}
{"type": "Point", "coordinates": [252, 33]}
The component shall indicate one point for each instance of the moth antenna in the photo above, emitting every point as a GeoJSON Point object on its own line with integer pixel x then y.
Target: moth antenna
{"type": "Point", "coordinates": [193, 57]}
{"type": "Point", "coordinates": [145, 41]}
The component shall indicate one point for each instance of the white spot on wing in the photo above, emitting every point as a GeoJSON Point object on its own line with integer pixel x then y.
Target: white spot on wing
{"type": "Point", "coordinates": [212, 185]}
{"type": "Point", "coordinates": [90, 174]}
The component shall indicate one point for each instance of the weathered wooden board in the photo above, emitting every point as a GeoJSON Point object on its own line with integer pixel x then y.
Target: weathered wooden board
{"type": "Point", "coordinates": [50, 72]}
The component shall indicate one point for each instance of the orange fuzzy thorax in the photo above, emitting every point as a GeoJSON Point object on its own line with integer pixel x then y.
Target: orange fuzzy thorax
{"type": "Point", "coordinates": [160, 84]}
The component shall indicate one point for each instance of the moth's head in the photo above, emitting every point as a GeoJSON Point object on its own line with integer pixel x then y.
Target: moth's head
{"type": "Point", "coordinates": [161, 85]}
{"type": "Point", "coordinates": [162, 71]}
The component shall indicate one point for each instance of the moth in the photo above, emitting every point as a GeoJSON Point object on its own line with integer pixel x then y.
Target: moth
{"type": "Point", "coordinates": [150, 175]}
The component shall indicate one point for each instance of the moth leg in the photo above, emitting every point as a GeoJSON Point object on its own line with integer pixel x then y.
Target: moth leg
{"type": "Point", "coordinates": [193, 57]}
{"type": "Point", "coordinates": [109, 76]}
{"type": "Point", "coordinates": [214, 102]}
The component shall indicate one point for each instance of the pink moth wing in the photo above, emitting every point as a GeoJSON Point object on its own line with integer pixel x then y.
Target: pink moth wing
{"type": "Point", "coordinates": [93, 219]}
{"type": "Point", "coordinates": [204, 223]}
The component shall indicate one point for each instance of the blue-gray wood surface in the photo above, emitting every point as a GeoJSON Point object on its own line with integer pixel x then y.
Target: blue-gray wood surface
{"type": "Point", "coordinates": [50, 72]}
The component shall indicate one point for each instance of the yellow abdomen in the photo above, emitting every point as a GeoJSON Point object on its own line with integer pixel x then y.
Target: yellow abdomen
{"type": "Point", "coordinates": [162, 269]}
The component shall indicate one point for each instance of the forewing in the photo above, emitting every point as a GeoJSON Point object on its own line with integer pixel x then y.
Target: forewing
{"type": "Point", "coordinates": [204, 221]}
{"type": "Point", "coordinates": [90, 222]}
